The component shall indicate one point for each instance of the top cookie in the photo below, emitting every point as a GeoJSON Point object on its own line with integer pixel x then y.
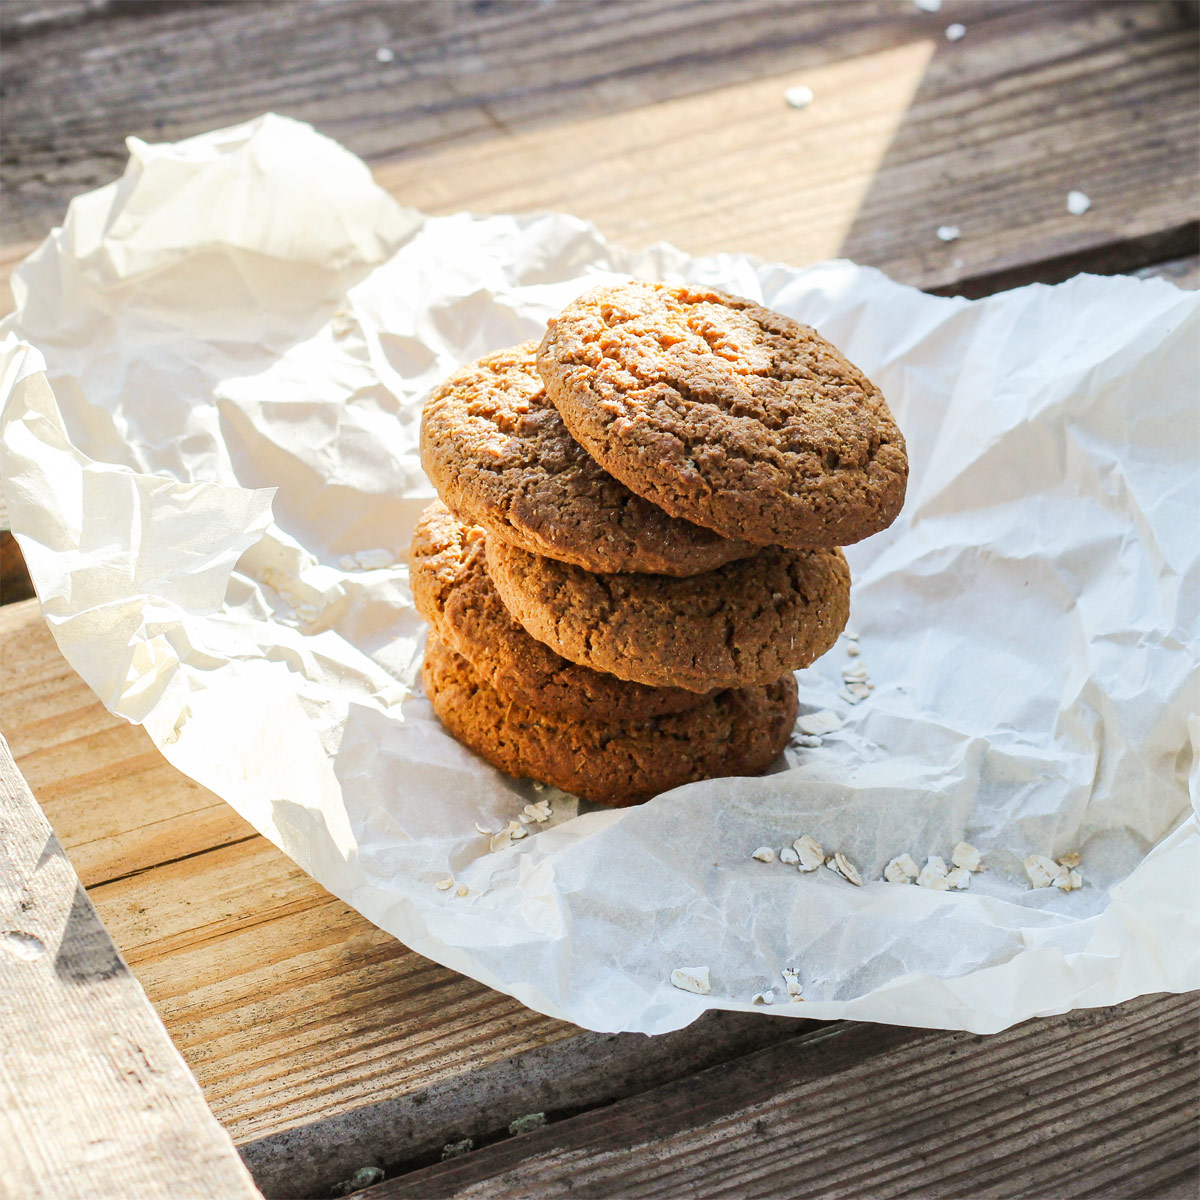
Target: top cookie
{"type": "Point", "coordinates": [726, 414]}
{"type": "Point", "coordinates": [500, 456]}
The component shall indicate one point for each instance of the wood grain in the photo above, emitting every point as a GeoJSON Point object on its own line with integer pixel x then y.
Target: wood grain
{"type": "Point", "coordinates": [666, 120]}
{"type": "Point", "coordinates": [71, 96]}
{"type": "Point", "coordinates": [988, 134]}
{"type": "Point", "coordinates": [321, 1043]}
{"type": "Point", "coordinates": [1097, 1103]}
{"type": "Point", "coordinates": [95, 1102]}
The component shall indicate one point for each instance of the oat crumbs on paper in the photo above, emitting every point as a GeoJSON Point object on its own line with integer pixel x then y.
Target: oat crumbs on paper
{"type": "Point", "coordinates": [764, 854]}
{"type": "Point", "coordinates": [809, 852]}
{"type": "Point", "coordinates": [846, 869]}
{"type": "Point", "coordinates": [817, 724]}
{"type": "Point", "coordinates": [933, 874]}
{"type": "Point", "coordinates": [691, 979]}
{"type": "Point", "coordinates": [901, 869]}
{"type": "Point", "coordinates": [966, 856]}
{"type": "Point", "coordinates": [791, 980]}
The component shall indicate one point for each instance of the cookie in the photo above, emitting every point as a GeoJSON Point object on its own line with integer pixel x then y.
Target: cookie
{"type": "Point", "coordinates": [740, 731]}
{"type": "Point", "coordinates": [454, 594]}
{"type": "Point", "coordinates": [747, 622]}
{"type": "Point", "coordinates": [499, 455]}
{"type": "Point", "coordinates": [726, 414]}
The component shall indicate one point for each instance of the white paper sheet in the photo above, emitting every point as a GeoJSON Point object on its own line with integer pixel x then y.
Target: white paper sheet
{"type": "Point", "coordinates": [211, 401]}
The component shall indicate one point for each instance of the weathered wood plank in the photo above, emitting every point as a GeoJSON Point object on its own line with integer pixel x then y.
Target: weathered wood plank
{"type": "Point", "coordinates": [1099, 1103]}
{"type": "Point", "coordinates": [70, 98]}
{"type": "Point", "coordinates": [94, 1099]}
{"type": "Point", "coordinates": [988, 134]}
{"type": "Point", "coordinates": [320, 1042]}
{"type": "Point", "coordinates": [631, 116]}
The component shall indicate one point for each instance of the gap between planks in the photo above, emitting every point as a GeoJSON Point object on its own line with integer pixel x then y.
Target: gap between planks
{"type": "Point", "coordinates": [1097, 1103]}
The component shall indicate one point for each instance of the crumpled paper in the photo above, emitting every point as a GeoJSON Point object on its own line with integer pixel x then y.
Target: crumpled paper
{"type": "Point", "coordinates": [212, 389]}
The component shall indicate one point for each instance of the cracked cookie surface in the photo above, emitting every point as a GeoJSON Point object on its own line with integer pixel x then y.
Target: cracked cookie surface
{"type": "Point", "coordinates": [740, 731]}
{"type": "Point", "coordinates": [454, 593]}
{"type": "Point", "coordinates": [501, 457]}
{"type": "Point", "coordinates": [747, 622]}
{"type": "Point", "coordinates": [726, 414]}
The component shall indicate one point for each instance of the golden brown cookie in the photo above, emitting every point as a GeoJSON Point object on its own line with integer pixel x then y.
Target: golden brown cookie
{"type": "Point", "coordinates": [454, 594]}
{"type": "Point", "coordinates": [740, 731]}
{"type": "Point", "coordinates": [499, 455]}
{"type": "Point", "coordinates": [726, 414]}
{"type": "Point", "coordinates": [747, 622]}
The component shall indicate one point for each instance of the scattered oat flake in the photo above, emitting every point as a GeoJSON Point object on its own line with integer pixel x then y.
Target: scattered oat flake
{"type": "Point", "coordinates": [1070, 860]}
{"type": "Point", "coordinates": [819, 723]}
{"type": "Point", "coordinates": [791, 980]}
{"type": "Point", "coordinates": [539, 812]}
{"type": "Point", "coordinates": [788, 856]}
{"type": "Point", "coordinates": [481, 829]}
{"type": "Point", "coordinates": [798, 97]}
{"type": "Point", "coordinates": [384, 55]}
{"type": "Point", "coordinates": [1069, 881]}
{"type": "Point", "coordinates": [933, 874]}
{"type": "Point", "coordinates": [691, 979]}
{"type": "Point", "coordinates": [764, 854]}
{"type": "Point", "coordinates": [1041, 870]}
{"type": "Point", "coordinates": [966, 856]}
{"type": "Point", "coordinates": [959, 878]}
{"type": "Point", "coordinates": [1078, 203]}
{"type": "Point", "coordinates": [901, 869]}
{"type": "Point", "coordinates": [444, 885]}
{"type": "Point", "coordinates": [809, 852]}
{"type": "Point", "coordinates": [853, 697]}
{"type": "Point", "coordinates": [526, 1123]}
{"type": "Point", "coordinates": [808, 741]}
{"type": "Point", "coordinates": [846, 869]}
{"type": "Point", "coordinates": [955, 32]}
{"type": "Point", "coordinates": [462, 890]}
{"type": "Point", "coordinates": [375, 559]}
{"type": "Point", "coordinates": [856, 673]}
{"type": "Point", "coordinates": [500, 841]}
{"type": "Point", "coordinates": [949, 233]}
{"type": "Point", "coordinates": [767, 997]}
{"type": "Point", "coordinates": [853, 650]}
{"type": "Point", "coordinates": [851, 634]}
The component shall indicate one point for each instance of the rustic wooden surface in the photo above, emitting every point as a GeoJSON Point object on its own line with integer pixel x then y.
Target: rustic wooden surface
{"type": "Point", "coordinates": [868, 1110]}
{"type": "Point", "coordinates": [663, 119]}
{"type": "Point", "coordinates": [75, 1023]}
{"type": "Point", "coordinates": [320, 1043]}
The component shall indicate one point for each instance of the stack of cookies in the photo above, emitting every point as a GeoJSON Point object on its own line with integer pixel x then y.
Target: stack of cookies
{"type": "Point", "coordinates": [638, 535]}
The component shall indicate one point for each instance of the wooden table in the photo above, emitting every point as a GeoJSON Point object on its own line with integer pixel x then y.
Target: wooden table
{"type": "Point", "coordinates": [323, 1046]}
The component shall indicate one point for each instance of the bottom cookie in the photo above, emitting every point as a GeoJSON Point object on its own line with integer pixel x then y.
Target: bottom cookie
{"type": "Point", "coordinates": [740, 731]}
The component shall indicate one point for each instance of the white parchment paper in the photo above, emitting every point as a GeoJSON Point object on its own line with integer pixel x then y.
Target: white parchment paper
{"type": "Point", "coordinates": [211, 400]}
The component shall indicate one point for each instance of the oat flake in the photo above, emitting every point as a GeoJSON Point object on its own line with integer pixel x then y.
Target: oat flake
{"type": "Point", "coordinates": [901, 869]}
{"type": "Point", "coordinates": [819, 723]}
{"type": "Point", "coordinates": [809, 853]}
{"type": "Point", "coordinates": [966, 856]}
{"type": "Point", "coordinates": [691, 979]}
